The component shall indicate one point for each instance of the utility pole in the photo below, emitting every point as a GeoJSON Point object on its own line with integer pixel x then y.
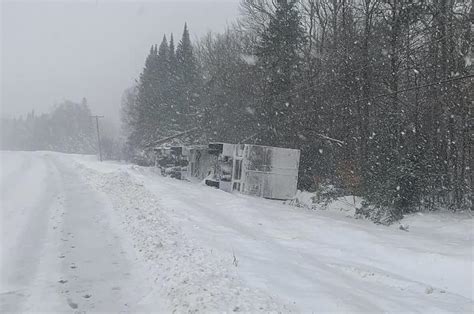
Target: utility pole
{"type": "Point", "coordinates": [98, 135]}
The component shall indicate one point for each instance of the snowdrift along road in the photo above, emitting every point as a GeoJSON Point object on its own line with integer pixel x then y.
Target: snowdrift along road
{"type": "Point", "coordinates": [79, 234]}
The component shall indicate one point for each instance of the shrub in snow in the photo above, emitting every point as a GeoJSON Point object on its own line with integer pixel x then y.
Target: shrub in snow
{"type": "Point", "coordinates": [379, 214]}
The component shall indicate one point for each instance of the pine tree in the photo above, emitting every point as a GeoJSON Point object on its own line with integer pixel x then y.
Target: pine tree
{"type": "Point", "coordinates": [162, 64]}
{"type": "Point", "coordinates": [166, 115]}
{"type": "Point", "coordinates": [147, 101]}
{"type": "Point", "coordinates": [173, 92]}
{"type": "Point", "coordinates": [187, 84]}
{"type": "Point", "coordinates": [172, 56]}
{"type": "Point", "coordinates": [280, 62]}
{"type": "Point", "coordinates": [186, 61]}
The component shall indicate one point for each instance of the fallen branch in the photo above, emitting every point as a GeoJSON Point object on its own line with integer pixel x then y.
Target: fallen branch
{"type": "Point", "coordinates": [166, 139]}
{"type": "Point", "coordinates": [330, 139]}
{"type": "Point", "coordinates": [326, 137]}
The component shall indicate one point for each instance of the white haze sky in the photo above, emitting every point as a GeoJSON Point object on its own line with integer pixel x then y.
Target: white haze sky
{"type": "Point", "coordinates": [56, 50]}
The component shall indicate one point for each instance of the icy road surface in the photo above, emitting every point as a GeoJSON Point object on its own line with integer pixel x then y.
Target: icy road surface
{"type": "Point", "coordinates": [60, 250]}
{"type": "Point", "coordinates": [79, 235]}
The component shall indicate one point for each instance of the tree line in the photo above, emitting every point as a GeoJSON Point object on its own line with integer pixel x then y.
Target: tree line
{"type": "Point", "coordinates": [377, 95]}
{"type": "Point", "coordinates": [67, 128]}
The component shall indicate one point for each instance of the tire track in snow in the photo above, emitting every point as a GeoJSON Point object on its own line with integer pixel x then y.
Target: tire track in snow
{"type": "Point", "coordinates": [22, 249]}
{"type": "Point", "coordinates": [97, 274]}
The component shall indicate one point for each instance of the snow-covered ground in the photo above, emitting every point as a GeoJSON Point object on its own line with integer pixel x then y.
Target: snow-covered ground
{"type": "Point", "coordinates": [61, 247]}
{"type": "Point", "coordinates": [79, 234]}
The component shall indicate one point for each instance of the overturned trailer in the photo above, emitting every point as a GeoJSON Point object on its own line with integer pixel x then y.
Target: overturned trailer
{"type": "Point", "coordinates": [269, 172]}
{"type": "Point", "coordinates": [265, 171]}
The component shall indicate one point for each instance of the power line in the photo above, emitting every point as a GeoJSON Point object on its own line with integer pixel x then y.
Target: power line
{"type": "Point", "coordinates": [418, 87]}
{"type": "Point", "coordinates": [405, 90]}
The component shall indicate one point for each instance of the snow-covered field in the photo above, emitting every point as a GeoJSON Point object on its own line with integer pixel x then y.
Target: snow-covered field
{"type": "Point", "coordinates": [77, 234]}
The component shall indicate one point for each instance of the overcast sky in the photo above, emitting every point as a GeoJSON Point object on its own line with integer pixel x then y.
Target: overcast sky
{"type": "Point", "coordinates": [59, 50]}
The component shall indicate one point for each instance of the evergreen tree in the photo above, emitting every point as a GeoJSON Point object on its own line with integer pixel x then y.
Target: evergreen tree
{"type": "Point", "coordinates": [188, 84]}
{"type": "Point", "coordinates": [166, 115]}
{"type": "Point", "coordinates": [172, 56]}
{"type": "Point", "coordinates": [147, 102]}
{"type": "Point", "coordinates": [279, 61]}
{"type": "Point", "coordinates": [173, 92]}
{"type": "Point", "coordinates": [186, 61]}
{"type": "Point", "coordinates": [162, 65]}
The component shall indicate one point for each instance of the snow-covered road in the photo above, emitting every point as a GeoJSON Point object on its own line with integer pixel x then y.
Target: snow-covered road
{"type": "Point", "coordinates": [79, 234]}
{"type": "Point", "coordinates": [60, 251]}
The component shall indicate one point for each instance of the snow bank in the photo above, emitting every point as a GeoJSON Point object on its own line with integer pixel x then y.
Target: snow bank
{"type": "Point", "coordinates": [191, 277]}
